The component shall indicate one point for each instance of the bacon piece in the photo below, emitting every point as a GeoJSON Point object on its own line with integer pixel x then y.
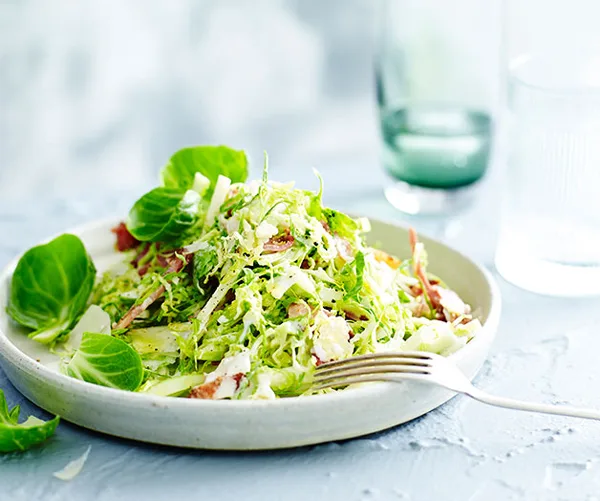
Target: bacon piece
{"type": "Point", "coordinates": [238, 379]}
{"type": "Point", "coordinates": [413, 239]}
{"type": "Point", "coordinates": [140, 255]}
{"type": "Point", "coordinates": [143, 269]}
{"type": "Point", "coordinates": [136, 311]}
{"type": "Point", "coordinates": [279, 243]}
{"type": "Point", "coordinates": [228, 299]}
{"type": "Point", "coordinates": [350, 315]}
{"type": "Point", "coordinates": [326, 226]}
{"type": "Point", "coordinates": [136, 260]}
{"type": "Point", "coordinates": [420, 310]}
{"type": "Point", "coordinates": [296, 310]}
{"type": "Point", "coordinates": [125, 240]}
{"type": "Point", "coordinates": [429, 290]}
{"type": "Point", "coordinates": [206, 391]}
{"type": "Point", "coordinates": [175, 264]}
{"type": "Point", "coordinates": [162, 260]}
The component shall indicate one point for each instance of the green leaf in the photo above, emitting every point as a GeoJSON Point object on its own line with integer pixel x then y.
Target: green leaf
{"type": "Point", "coordinates": [210, 161]}
{"type": "Point", "coordinates": [163, 214]}
{"type": "Point", "coordinates": [353, 272]}
{"type": "Point", "coordinates": [20, 437]}
{"type": "Point", "coordinates": [315, 207]}
{"type": "Point", "coordinates": [51, 286]}
{"type": "Point", "coordinates": [107, 361]}
{"type": "Point", "coordinates": [265, 174]}
{"type": "Point", "coordinates": [14, 414]}
{"type": "Point", "coordinates": [205, 264]}
{"type": "Point", "coordinates": [7, 416]}
{"type": "Point", "coordinates": [340, 223]}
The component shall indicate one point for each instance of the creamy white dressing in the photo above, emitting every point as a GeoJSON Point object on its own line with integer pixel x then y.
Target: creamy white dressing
{"type": "Point", "coordinates": [331, 339]}
{"type": "Point", "coordinates": [226, 370]}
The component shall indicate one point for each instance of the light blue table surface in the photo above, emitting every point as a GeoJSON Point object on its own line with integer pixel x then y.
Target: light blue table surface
{"type": "Point", "coordinates": [546, 350]}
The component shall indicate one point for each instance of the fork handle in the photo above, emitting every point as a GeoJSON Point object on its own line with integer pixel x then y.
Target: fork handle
{"type": "Point", "coordinates": [509, 403]}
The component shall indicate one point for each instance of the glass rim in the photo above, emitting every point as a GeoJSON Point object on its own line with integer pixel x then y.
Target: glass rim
{"type": "Point", "coordinates": [521, 60]}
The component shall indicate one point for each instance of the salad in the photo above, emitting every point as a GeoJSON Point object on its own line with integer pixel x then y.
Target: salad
{"type": "Point", "coordinates": [228, 289]}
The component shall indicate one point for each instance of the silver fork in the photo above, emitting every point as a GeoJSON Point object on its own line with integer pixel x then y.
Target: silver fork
{"type": "Point", "coordinates": [426, 368]}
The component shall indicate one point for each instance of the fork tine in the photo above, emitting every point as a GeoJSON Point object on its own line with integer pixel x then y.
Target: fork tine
{"type": "Point", "coordinates": [422, 356]}
{"type": "Point", "coordinates": [333, 383]}
{"type": "Point", "coordinates": [353, 363]}
{"type": "Point", "coordinates": [369, 371]}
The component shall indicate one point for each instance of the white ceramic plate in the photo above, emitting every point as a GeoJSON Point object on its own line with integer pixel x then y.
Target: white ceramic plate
{"type": "Point", "coordinates": [245, 425]}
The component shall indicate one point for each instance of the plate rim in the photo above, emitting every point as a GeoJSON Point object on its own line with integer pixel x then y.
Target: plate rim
{"type": "Point", "coordinates": [22, 361]}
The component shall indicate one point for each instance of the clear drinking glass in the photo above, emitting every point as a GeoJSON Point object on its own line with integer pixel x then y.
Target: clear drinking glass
{"type": "Point", "coordinates": [437, 73]}
{"type": "Point", "coordinates": [550, 230]}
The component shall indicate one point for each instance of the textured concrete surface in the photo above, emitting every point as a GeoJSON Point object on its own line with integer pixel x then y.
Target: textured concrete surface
{"type": "Point", "coordinates": [546, 350]}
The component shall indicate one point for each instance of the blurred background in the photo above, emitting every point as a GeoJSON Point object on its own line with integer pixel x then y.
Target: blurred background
{"type": "Point", "coordinates": [98, 95]}
{"type": "Point", "coordinates": [95, 97]}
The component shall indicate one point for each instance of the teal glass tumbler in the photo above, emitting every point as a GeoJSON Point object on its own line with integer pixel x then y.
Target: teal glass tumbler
{"type": "Point", "coordinates": [437, 72]}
